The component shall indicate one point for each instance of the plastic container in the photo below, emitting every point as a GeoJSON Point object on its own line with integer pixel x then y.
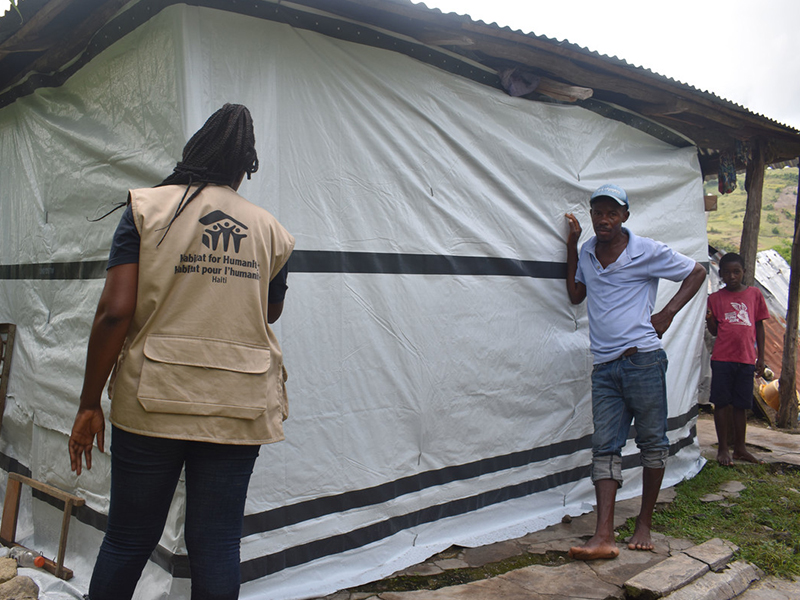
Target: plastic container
{"type": "Point", "coordinates": [771, 394]}
{"type": "Point", "coordinates": [26, 558]}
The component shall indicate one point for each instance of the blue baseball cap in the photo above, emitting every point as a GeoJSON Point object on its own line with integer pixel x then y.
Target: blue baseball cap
{"type": "Point", "coordinates": [612, 191]}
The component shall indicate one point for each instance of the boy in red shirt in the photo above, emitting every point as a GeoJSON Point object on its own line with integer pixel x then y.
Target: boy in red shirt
{"type": "Point", "coordinates": [736, 316]}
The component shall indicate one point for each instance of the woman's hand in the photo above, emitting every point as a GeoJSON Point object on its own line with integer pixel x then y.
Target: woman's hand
{"type": "Point", "coordinates": [89, 422]}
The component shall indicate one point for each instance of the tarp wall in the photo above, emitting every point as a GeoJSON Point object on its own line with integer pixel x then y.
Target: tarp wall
{"type": "Point", "coordinates": [438, 375]}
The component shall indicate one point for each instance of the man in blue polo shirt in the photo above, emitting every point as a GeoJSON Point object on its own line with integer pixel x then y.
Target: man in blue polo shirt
{"type": "Point", "coordinates": [619, 272]}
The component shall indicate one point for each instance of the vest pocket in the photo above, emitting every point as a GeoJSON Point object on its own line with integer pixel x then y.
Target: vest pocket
{"type": "Point", "coordinates": [205, 377]}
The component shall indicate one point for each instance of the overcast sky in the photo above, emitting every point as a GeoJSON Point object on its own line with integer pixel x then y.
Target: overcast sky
{"type": "Point", "coordinates": [746, 51]}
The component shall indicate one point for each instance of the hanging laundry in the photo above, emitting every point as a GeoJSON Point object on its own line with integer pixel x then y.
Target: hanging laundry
{"type": "Point", "coordinates": [727, 173]}
{"type": "Point", "coordinates": [744, 153]}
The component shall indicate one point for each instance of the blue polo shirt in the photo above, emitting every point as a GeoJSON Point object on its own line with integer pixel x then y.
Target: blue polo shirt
{"type": "Point", "coordinates": [621, 297]}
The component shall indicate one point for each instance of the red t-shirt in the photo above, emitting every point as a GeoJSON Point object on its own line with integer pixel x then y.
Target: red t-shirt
{"type": "Point", "coordinates": [737, 314]}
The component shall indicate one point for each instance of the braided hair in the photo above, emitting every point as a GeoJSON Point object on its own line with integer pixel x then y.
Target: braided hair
{"type": "Point", "coordinates": [218, 153]}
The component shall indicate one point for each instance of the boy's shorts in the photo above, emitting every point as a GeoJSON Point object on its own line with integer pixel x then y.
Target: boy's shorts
{"type": "Point", "coordinates": [732, 384]}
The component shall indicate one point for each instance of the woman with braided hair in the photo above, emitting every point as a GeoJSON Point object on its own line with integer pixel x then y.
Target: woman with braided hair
{"type": "Point", "coordinates": [195, 276]}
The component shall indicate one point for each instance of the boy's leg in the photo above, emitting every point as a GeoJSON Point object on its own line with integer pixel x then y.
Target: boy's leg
{"type": "Point", "coordinates": [741, 402]}
{"type": "Point", "coordinates": [739, 427]}
{"type": "Point", "coordinates": [723, 377]}
{"type": "Point", "coordinates": [722, 421]}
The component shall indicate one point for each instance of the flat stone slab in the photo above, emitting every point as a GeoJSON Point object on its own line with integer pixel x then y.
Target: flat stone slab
{"type": "Point", "coordinates": [571, 581]}
{"type": "Point", "coordinates": [732, 487]}
{"type": "Point", "coordinates": [628, 564]}
{"type": "Point", "coordinates": [478, 557]}
{"type": "Point", "coordinates": [712, 498]}
{"type": "Point", "coordinates": [451, 563]}
{"type": "Point", "coordinates": [485, 589]}
{"type": "Point", "coordinates": [422, 570]}
{"type": "Point", "coordinates": [716, 553]}
{"type": "Point", "coordinates": [724, 585]}
{"type": "Point", "coordinates": [665, 577]}
{"type": "Point", "coordinates": [772, 588]}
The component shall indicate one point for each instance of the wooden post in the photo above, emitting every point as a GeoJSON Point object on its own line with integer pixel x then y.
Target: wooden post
{"type": "Point", "coordinates": [754, 185]}
{"type": "Point", "coordinates": [787, 415]}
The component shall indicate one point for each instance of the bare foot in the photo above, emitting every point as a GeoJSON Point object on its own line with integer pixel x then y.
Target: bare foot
{"type": "Point", "coordinates": [724, 458]}
{"type": "Point", "coordinates": [640, 540]}
{"type": "Point", "coordinates": [745, 455]}
{"type": "Point", "coordinates": [594, 549]}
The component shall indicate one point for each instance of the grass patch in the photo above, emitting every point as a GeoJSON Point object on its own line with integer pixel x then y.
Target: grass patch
{"type": "Point", "coordinates": [764, 521]}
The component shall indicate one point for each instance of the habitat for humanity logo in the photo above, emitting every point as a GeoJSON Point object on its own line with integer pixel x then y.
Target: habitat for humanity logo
{"type": "Point", "coordinates": [225, 227]}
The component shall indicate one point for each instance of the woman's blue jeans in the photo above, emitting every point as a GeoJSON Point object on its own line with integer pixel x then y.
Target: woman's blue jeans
{"type": "Point", "coordinates": [144, 474]}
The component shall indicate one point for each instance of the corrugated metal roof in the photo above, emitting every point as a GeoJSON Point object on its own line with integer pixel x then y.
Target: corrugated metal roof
{"type": "Point", "coordinates": [43, 52]}
{"type": "Point", "coordinates": [620, 61]}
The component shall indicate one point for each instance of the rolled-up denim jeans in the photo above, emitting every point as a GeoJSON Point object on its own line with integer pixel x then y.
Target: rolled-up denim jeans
{"type": "Point", "coordinates": [144, 473]}
{"type": "Point", "coordinates": [629, 389]}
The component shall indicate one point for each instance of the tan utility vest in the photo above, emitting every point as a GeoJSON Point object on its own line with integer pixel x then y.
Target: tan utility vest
{"type": "Point", "coordinates": [200, 361]}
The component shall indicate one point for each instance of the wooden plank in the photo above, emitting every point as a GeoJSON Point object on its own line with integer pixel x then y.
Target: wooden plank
{"type": "Point", "coordinates": [8, 524]}
{"type": "Point", "coordinates": [6, 354]}
{"type": "Point", "coordinates": [48, 489]}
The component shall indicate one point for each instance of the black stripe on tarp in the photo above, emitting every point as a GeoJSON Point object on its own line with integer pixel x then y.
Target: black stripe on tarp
{"type": "Point", "coordinates": [323, 261]}
{"type": "Point", "coordinates": [95, 269]}
{"type": "Point", "coordinates": [284, 516]}
{"type": "Point", "coordinates": [326, 261]}
{"type": "Point", "coordinates": [305, 553]}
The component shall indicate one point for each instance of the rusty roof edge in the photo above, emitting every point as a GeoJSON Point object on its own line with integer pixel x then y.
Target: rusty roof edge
{"type": "Point", "coordinates": [582, 50]}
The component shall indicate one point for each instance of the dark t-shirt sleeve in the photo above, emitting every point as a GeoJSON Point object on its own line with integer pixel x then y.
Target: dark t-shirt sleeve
{"type": "Point", "coordinates": [278, 287]}
{"type": "Point", "coordinates": [125, 245]}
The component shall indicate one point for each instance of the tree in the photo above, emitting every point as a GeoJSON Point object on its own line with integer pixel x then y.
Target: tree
{"type": "Point", "coordinates": [787, 415]}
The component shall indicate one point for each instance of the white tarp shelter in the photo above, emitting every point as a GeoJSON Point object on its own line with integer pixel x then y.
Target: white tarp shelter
{"type": "Point", "coordinates": [438, 376]}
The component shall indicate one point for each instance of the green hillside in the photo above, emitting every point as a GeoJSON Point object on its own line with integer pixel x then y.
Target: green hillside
{"type": "Point", "coordinates": [777, 214]}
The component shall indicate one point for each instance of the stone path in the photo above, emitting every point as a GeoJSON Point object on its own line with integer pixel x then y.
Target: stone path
{"type": "Point", "coordinates": [675, 570]}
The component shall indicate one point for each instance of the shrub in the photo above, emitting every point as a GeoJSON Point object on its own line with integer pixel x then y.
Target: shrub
{"type": "Point", "coordinates": [784, 248]}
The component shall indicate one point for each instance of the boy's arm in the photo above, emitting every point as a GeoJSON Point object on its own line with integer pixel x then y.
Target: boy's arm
{"type": "Point", "coordinates": [663, 319]}
{"type": "Point", "coordinates": [711, 320]}
{"type": "Point", "coordinates": [760, 346]}
{"type": "Point", "coordinates": [575, 289]}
